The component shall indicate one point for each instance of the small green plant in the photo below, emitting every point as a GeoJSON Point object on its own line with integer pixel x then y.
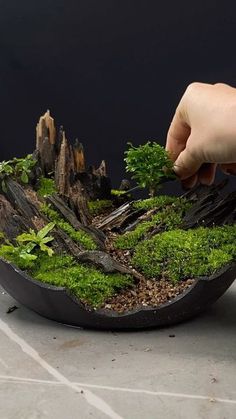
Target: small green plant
{"type": "Point", "coordinates": [17, 168]}
{"type": "Point", "coordinates": [39, 239]}
{"type": "Point", "coordinates": [28, 246]}
{"type": "Point", "coordinates": [5, 170]}
{"type": "Point", "coordinates": [149, 164]}
{"type": "Point", "coordinates": [47, 187]}
{"type": "Point", "coordinates": [23, 167]}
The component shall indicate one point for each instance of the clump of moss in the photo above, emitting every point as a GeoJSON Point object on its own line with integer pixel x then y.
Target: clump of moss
{"type": "Point", "coordinates": [89, 284]}
{"type": "Point", "coordinates": [15, 257]}
{"type": "Point", "coordinates": [2, 237]}
{"type": "Point", "coordinates": [180, 254]}
{"type": "Point", "coordinates": [170, 216]}
{"type": "Point", "coordinates": [46, 187]}
{"type": "Point", "coordinates": [157, 202]}
{"type": "Point", "coordinates": [77, 235]}
{"type": "Point", "coordinates": [99, 206]}
{"type": "Point", "coordinates": [118, 192]}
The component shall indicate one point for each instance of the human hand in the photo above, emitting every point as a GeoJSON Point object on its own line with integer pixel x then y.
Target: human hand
{"type": "Point", "coordinates": [202, 133]}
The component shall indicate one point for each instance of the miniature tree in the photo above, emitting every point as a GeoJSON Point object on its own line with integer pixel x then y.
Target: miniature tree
{"type": "Point", "coordinates": [149, 164]}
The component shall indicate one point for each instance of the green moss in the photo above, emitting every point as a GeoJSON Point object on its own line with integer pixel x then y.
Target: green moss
{"type": "Point", "coordinates": [118, 192]}
{"type": "Point", "coordinates": [2, 236]}
{"type": "Point", "coordinates": [46, 187]}
{"type": "Point", "coordinates": [89, 284]}
{"type": "Point", "coordinates": [170, 215]}
{"type": "Point", "coordinates": [7, 253]}
{"type": "Point", "coordinates": [99, 206]}
{"type": "Point", "coordinates": [157, 202]}
{"type": "Point", "coordinates": [77, 235]}
{"type": "Point", "coordinates": [181, 254]}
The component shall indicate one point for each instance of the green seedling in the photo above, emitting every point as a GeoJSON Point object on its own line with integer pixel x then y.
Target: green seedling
{"type": "Point", "coordinates": [149, 165]}
{"type": "Point", "coordinates": [39, 239]}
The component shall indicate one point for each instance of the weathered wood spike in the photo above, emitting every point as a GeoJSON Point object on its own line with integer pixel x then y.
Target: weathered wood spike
{"type": "Point", "coordinates": [81, 204]}
{"type": "Point", "coordinates": [45, 142]}
{"type": "Point", "coordinates": [45, 121]}
{"type": "Point", "coordinates": [64, 167]}
{"type": "Point", "coordinates": [79, 159]}
{"type": "Point", "coordinates": [101, 170]}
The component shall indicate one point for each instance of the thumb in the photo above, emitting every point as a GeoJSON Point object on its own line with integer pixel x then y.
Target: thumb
{"type": "Point", "coordinates": [186, 164]}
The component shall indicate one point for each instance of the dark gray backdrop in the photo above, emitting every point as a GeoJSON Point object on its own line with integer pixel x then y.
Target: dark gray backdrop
{"type": "Point", "coordinates": [108, 70]}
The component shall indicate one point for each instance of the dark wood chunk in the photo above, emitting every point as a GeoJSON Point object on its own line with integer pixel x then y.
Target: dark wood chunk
{"type": "Point", "coordinates": [60, 205]}
{"type": "Point", "coordinates": [105, 262]}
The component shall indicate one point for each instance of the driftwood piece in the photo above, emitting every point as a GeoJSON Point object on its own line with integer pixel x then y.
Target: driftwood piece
{"type": "Point", "coordinates": [78, 202]}
{"type": "Point", "coordinates": [57, 156]}
{"type": "Point", "coordinates": [105, 262]}
{"type": "Point", "coordinates": [60, 205]}
{"type": "Point", "coordinates": [83, 210]}
{"type": "Point", "coordinates": [16, 196]}
{"type": "Point", "coordinates": [200, 191]}
{"type": "Point", "coordinates": [96, 182]}
{"type": "Point", "coordinates": [120, 218]}
{"type": "Point", "coordinates": [209, 211]}
{"type": "Point", "coordinates": [62, 243]}
{"type": "Point", "coordinates": [11, 223]}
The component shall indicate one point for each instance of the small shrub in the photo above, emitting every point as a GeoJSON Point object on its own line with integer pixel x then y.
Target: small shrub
{"type": "Point", "coordinates": [149, 164]}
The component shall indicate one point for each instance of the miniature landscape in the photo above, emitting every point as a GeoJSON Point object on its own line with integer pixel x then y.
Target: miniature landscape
{"type": "Point", "coordinates": [63, 224]}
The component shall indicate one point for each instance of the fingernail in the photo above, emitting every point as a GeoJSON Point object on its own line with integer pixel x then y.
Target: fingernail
{"type": "Point", "coordinates": [229, 172]}
{"type": "Point", "coordinates": [176, 169]}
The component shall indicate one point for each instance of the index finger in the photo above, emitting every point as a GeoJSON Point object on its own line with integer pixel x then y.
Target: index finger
{"type": "Point", "coordinates": [177, 136]}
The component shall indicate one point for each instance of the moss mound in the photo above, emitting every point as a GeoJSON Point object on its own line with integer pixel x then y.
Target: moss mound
{"type": "Point", "coordinates": [99, 206]}
{"type": "Point", "coordinates": [180, 254]}
{"type": "Point", "coordinates": [46, 187]}
{"type": "Point", "coordinates": [89, 284]}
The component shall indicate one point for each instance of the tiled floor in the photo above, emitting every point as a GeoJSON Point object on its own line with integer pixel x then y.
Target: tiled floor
{"type": "Point", "coordinates": [48, 370]}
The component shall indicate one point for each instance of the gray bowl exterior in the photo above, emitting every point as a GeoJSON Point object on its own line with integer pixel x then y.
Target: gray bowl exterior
{"type": "Point", "coordinates": [57, 304]}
